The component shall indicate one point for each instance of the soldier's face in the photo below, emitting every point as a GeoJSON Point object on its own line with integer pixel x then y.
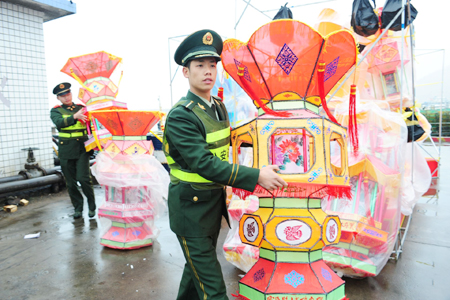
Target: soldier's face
{"type": "Point", "coordinates": [201, 74]}
{"type": "Point", "coordinates": [66, 99]}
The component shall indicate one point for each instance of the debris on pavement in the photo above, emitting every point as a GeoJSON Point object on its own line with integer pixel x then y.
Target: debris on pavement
{"type": "Point", "coordinates": [10, 208]}
{"type": "Point", "coordinates": [32, 235]}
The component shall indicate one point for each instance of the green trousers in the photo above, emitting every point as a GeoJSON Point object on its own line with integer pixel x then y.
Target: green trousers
{"type": "Point", "coordinates": [202, 275]}
{"type": "Point", "coordinates": [78, 170]}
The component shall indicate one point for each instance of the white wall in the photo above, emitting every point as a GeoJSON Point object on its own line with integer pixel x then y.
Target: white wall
{"type": "Point", "coordinates": [26, 122]}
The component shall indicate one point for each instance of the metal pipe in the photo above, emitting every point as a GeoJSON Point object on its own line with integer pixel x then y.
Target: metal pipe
{"type": "Point", "coordinates": [22, 175]}
{"type": "Point", "coordinates": [30, 183]}
{"type": "Point", "coordinates": [11, 178]}
{"type": "Point", "coordinates": [242, 14]}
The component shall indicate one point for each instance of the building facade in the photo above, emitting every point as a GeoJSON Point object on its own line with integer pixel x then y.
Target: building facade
{"type": "Point", "coordinates": [24, 101]}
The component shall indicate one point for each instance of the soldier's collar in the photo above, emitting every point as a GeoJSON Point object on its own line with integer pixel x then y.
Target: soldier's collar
{"type": "Point", "coordinates": [70, 107]}
{"type": "Point", "coordinates": [197, 99]}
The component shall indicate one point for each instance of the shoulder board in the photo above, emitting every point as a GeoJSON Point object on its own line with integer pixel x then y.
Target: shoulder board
{"type": "Point", "coordinates": [56, 106]}
{"type": "Point", "coordinates": [82, 105]}
{"type": "Point", "coordinates": [186, 103]}
{"type": "Point", "coordinates": [217, 98]}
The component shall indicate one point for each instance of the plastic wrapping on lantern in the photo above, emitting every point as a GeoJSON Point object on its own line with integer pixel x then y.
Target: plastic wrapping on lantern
{"type": "Point", "coordinates": [132, 171]}
{"type": "Point", "coordinates": [380, 74]}
{"type": "Point", "coordinates": [135, 189]}
{"type": "Point", "coordinates": [127, 218]}
{"type": "Point", "coordinates": [371, 219]}
{"type": "Point", "coordinates": [416, 179]}
{"type": "Point", "coordinates": [241, 255]}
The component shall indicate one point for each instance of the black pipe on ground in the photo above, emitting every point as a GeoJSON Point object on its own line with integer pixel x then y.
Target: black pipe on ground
{"type": "Point", "coordinates": [30, 183]}
{"type": "Point", "coordinates": [51, 188]}
{"type": "Point", "coordinates": [12, 178]}
{"type": "Point", "coordinates": [22, 175]}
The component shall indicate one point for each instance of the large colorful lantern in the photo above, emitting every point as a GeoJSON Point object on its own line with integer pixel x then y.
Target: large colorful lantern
{"type": "Point", "coordinates": [98, 92]}
{"type": "Point", "coordinates": [134, 180]}
{"type": "Point", "coordinates": [287, 68]}
{"type": "Point", "coordinates": [93, 72]}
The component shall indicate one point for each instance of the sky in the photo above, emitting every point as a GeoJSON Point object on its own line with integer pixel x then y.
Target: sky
{"type": "Point", "coordinates": [145, 34]}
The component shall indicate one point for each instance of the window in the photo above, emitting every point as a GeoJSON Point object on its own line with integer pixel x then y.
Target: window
{"type": "Point", "coordinates": [245, 150]}
{"type": "Point", "coordinates": [292, 150]}
{"type": "Point", "coordinates": [337, 154]}
{"type": "Point", "coordinates": [390, 80]}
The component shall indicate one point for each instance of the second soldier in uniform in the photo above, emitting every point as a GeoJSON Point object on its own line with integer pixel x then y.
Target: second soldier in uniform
{"type": "Point", "coordinates": [70, 122]}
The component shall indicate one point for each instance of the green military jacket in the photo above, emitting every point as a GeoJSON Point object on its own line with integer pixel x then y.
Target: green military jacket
{"type": "Point", "coordinates": [62, 117]}
{"type": "Point", "coordinates": [195, 212]}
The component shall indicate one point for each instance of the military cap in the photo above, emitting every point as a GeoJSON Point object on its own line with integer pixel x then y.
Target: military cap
{"type": "Point", "coordinates": [202, 43]}
{"type": "Point", "coordinates": [61, 88]}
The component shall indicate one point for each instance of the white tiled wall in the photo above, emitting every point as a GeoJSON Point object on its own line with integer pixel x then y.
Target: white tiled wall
{"type": "Point", "coordinates": [26, 123]}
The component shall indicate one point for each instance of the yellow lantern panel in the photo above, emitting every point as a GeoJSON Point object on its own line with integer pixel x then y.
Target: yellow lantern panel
{"type": "Point", "coordinates": [251, 230]}
{"type": "Point", "coordinates": [264, 213]}
{"type": "Point", "coordinates": [286, 212]}
{"type": "Point", "coordinates": [266, 245]}
{"type": "Point", "coordinates": [331, 230]}
{"type": "Point", "coordinates": [295, 232]}
{"type": "Point", "coordinates": [318, 214]}
{"type": "Point", "coordinates": [113, 149]}
{"type": "Point", "coordinates": [135, 149]}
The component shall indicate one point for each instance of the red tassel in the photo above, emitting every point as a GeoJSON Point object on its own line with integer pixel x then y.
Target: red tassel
{"type": "Point", "coordinates": [352, 120]}
{"type": "Point", "coordinates": [242, 194]}
{"type": "Point", "coordinates": [299, 190]}
{"type": "Point", "coordinates": [220, 93]}
{"type": "Point", "coordinates": [246, 86]}
{"type": "Point", "coordinates": [320, 72]}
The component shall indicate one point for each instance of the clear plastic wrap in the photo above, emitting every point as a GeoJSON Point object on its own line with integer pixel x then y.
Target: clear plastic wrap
{"type": "Point", "coordinates": [370, 221]}
{"type": "Point", "coordinates": [135, 189]}
{"type": "Point", "coordinates": [416, 179]}
{"type": "Point", "coordinates": [241, 255]}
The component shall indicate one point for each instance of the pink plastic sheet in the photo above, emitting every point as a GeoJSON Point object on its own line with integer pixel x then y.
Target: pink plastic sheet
{"type": "Point", "coordinates": [135, 189]}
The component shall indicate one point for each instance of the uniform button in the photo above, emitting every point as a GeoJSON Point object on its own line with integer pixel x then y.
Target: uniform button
{"type": "Point", "coordinates": [195, 198]}
{"type": "Point", "coordinates": [78, 139]}
{"type": "Point", "coordinates": [61, 142]}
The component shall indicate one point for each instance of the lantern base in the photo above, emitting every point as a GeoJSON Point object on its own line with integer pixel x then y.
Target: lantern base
{"type": "Point", "coordinates": [269, 279]}
{"type": "Point", "coordinates": [126, 238]}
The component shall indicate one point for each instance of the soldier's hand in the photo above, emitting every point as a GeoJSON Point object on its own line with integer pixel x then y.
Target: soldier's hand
{"type": "Point", "coordinates": [269, 179]}
{"type": "Point", "coordinates": [79, 115]}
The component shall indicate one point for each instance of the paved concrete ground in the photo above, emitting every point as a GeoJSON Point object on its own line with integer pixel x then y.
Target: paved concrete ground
{"type": "Point", "coordinates": [67, 261]}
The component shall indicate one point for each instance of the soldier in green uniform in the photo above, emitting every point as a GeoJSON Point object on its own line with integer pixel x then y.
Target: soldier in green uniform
{"type": "Point", "coordinates": [196, 144]}
{"type": "Point", "coordinates": [70, 120]}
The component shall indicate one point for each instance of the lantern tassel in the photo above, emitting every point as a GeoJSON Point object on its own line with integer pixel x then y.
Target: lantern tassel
{"type": "Point", "coordinates": [256, 99]}
{"type": "Point", "coordinates": [320, 74]}
{"type": "Point", "coordinates": [352, 120]}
